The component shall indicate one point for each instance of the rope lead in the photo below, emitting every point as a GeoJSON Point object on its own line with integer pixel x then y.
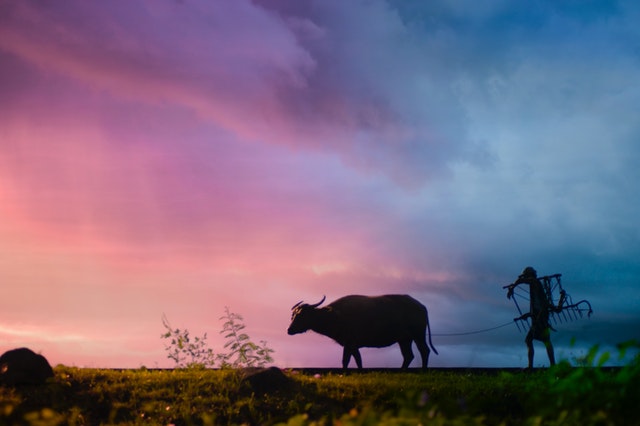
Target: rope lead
{"type": "Point", "coordinates": [484, 330]}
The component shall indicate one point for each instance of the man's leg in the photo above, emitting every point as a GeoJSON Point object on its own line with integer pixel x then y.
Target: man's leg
{"type": "Point", "coordinates": [529, 341]}
{"type": "Point", "coordinates": [549, 346]}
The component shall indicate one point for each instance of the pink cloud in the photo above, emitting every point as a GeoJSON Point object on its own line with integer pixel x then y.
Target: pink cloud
{"type": "Point", "coordinates": [259, 73]}
{"type": "Point", "coordinates": [87, 169]}
{"type": "Point", "coordinates": [218, 64]}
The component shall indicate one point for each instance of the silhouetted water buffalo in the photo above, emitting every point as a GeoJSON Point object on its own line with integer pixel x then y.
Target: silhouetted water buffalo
{"type": "Point", "coordinates": [362, 321]}
{"type": "Point", "coordinates": [23, 367]}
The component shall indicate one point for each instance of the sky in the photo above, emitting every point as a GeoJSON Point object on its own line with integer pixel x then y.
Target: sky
{"type": "Point", "coordinates": [179, 157]}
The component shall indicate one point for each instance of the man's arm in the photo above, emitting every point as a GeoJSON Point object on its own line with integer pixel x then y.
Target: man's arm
{"type": "Point", "coordinates": [511, 287]}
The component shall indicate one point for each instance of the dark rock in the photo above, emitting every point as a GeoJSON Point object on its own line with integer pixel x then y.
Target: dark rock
{"type": "Point", "coordinates": [24, 367]}
{"type": "Point", "coordinates": [266, 380]}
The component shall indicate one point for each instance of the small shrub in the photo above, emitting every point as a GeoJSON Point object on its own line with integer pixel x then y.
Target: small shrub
{"type": "Point", "coordinates": [593, 390]}
{"type": "Point", "coordinates": [242, 352]}
{"type": "Point", "coordinates": [188, 352]}
{"type": "Point", "coordinates": [185, 351]}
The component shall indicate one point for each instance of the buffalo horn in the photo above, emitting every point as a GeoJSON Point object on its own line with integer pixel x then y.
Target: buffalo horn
{"type": "Point", "coordinates": [319, 303]}
{"type": "Point", "coordinates": [296, 305]}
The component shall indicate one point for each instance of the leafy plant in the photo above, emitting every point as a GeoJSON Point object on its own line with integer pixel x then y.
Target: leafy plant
{"type": "Point", "coordinates": [185, 351]}
{"type": "Point", "coordinates": [611, 394]}
{"type": "Point", "coordinates": [242, 352]}
{"type": "Point", "coordinates": [189, 352]}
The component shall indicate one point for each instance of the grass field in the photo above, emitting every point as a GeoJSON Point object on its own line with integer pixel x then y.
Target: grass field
{"type": "Point", "coordinates": [563, 395]}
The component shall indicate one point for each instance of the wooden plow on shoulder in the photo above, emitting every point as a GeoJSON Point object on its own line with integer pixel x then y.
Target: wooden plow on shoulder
{"type": "Point", "coordinates": [561, 305]}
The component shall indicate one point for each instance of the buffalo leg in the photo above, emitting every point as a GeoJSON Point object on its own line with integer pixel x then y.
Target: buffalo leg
{"type": "Point", "coordinates": [346, 357]}
{"type": "Point", "coordinates": [407, 353]}
{"type": "Point", "coordinates": [357, 357]}
{"type": "Point", "coordinates": [424, 351]}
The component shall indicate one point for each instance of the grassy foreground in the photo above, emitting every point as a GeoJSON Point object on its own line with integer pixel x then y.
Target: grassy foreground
{"type": "Point", "coordinates": [561, 395]}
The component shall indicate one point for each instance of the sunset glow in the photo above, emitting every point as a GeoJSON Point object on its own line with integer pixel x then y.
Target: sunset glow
{"type": "Point", "coordinates": [180, 157]}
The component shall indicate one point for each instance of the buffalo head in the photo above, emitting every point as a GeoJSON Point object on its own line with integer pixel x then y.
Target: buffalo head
{"type": "Point", "coordinates": [302, 316]}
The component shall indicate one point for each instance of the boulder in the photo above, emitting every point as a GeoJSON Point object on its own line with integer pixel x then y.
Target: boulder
{"type": "Point", "coordinates": [24, 367]}
{"type": "Point", "coordinates": [266, 380]}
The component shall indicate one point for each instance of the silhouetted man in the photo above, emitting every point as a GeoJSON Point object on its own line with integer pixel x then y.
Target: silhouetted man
{"type": "Point", "coordinates": [538, 311]}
